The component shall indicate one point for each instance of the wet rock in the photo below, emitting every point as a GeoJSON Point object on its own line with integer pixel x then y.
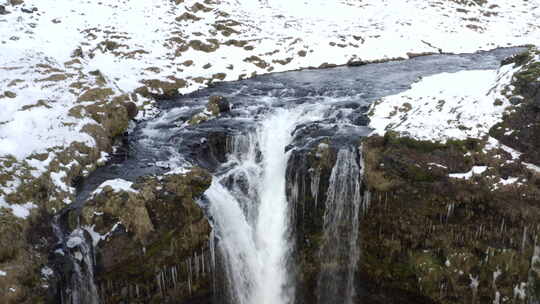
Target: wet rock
{"type": "Point", "coordinates": [29, 11]}
{"type": "Point", "coordinates": [515, 100]}
{"type": "Point", "coordinates": [307, 176]}
{"type": "Point", "coordinates": [132, 109]}
{"type": "Point", "coordinates": [216, 106]}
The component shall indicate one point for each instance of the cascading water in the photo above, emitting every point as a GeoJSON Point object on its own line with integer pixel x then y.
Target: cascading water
{"type": "Point", "coordinates": [339, 250]}
{"type": "Point", "coordinates": [252, 219]}
{"type": "Point", "coordinates": [76, 254]}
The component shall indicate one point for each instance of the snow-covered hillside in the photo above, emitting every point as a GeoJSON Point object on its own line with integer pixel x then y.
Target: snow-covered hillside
{"type": "Point", "coordinates": [67, 64]}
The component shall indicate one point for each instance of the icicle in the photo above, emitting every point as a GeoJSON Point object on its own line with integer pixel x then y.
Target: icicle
{"type": "Point", "coordinates": [523, 242]}
{"type": "Point", "coordinates": [189, 274]}
{"type": "Point", "coordinates": [315, 180]}
{"type": "Point", "coordinates": [158, 281]}
{"type": "Point", "coordinates": [343, 203]}
{"type": "Point", "coordinates": [202, 262]}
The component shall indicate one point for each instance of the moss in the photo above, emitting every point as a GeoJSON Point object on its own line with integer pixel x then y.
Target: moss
{"type": "Point", "coordinates": [260, 63]}
{"type": "Point", "coordinates": [187, 17]}
{"type": "Point", "coordinates": [180, 231]}
{"type": "Point", "coordinates": [161, 89]}
{"type": "Point", "coordinates": [204, 47]}
{"type": "Point", "coordinates": [95, 94]}
{"type": "Point", "coordinates": [519, 59]}
{"type": "Point", "coordinates": [10, 94]}
{"type": "Point", "coordinates": [55, 77]}
{"type": "Point", "coordinates": [530, 73]}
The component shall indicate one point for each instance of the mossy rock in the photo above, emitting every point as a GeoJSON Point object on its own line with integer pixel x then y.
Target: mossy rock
{"type": "Point", "coordinates": [132, 256]}
{"type": "Point", "coordinates": [96, 94]}
{"type": "Point", "coordinates": [432, 237]}
{"type": "Point", "coordinates": [216, 105]}
{"type": "Point", "coordinates": [155, 88]}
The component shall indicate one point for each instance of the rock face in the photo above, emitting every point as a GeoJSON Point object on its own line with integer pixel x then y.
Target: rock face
{"type": "Point", "coordinates": [308, 173]}
{"type": "Point", "coordinates": [432, 235]}
{"type": "Point", "coordinates": [521, 126]}
{"type": "Point", "coordinates": [444, 239]}
{"type": "Point", "coordinates": [152, 240]}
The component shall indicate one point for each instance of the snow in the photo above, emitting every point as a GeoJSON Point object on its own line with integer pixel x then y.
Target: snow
{"type": "Point", "coordinates": [443, 106]}
{"type": "Point", "coordinates": [476, 170]}
{"type": "Point", "coordinates": [437, 165]}
{"type": "Point", "coordinates": [509, 181]}
{"type": "Point", "coordinates": [129, 42]}
{"type": "Point", "coordinates": [117, 185]}
{"type": "Point", "coordinates": [532, 167]}
{"type": "Point", "coordinates": [178, 170]}
{"type": "Point", "coordinates": [18, 210]}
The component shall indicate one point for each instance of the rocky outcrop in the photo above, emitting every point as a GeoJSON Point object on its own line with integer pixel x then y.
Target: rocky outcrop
{"type": "Point", "coordinates": [446, 239]}
{"type": "Point", "coordinates": [308, 173]}
{"type": "Point", "coordinates": [152, 239]}
{"type": "Point", "coordinates": [456, 221]}
{"type": "Point", "coordinates": [216, 105]}
{"type": "Point", "coordinates": [34, 187]}
{"type": "Point", "coordinates": [520, 126]}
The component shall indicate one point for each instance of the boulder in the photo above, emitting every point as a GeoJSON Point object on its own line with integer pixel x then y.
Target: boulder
{"type": "Point", "coordinates": [216, 105]}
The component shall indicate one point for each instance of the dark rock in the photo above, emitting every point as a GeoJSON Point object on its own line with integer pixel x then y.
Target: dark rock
{"type": "Point", "coordinates": [3, 10]}
{"type": "Point", "coordinates": [362, 120]}
{"type": "Point", "coordinates": [515, 100]}
{"type": "Point", "coordinates": [158, 231]}
{"type": "Point", "coordinates": [132, 109]}
{"type": "Point", "coordinates": [218, 104]}
{"type": "Point", "coordinates": [420, 221]}
{"type": "Point", "coordinates": [29, 11]}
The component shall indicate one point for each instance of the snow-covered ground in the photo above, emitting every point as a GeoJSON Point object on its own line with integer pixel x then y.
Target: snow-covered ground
{"type": "Point", "coordinates": [56, 54]}
{"type": "Point", "coordinates": [445, 106]}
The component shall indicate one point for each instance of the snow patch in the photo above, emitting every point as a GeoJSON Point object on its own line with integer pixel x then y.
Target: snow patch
{"type": "Point", "coordinates": [440, 107]}
{"type": "Point", "coordinates": [18, 210]}
{"type": "Point", "coordinates": [476, 170]}
{"type": "Point", "coordinates": [117, 185]}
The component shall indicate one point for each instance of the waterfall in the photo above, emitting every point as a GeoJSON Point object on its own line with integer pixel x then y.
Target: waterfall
{"type": "Point", "coordinates": [339, 251]}
{"type": "Point", "coordinates": [251, 217]}
{"type": "Point", "coordinates": [77, 286]}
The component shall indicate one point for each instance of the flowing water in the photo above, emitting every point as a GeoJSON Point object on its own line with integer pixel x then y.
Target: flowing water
{"type": "Point", "coordinates": [257, 189]}
{"type": "Point", "coordinates": [341, 221]}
